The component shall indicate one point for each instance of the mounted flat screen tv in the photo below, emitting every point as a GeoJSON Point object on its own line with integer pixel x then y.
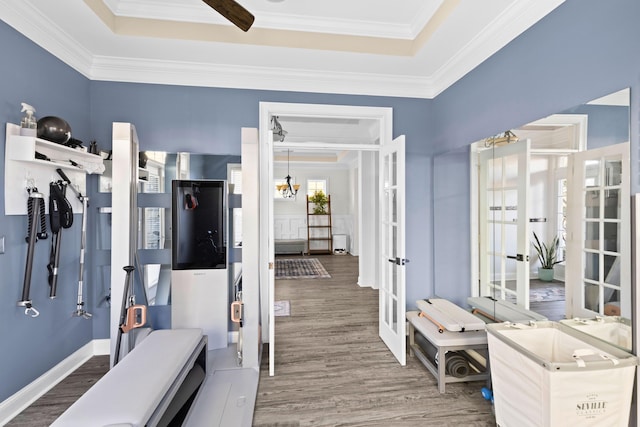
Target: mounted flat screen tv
{"type": "Point", "coordinates": [198, 225]}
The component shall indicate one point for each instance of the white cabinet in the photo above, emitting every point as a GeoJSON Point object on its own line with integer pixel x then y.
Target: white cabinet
{"type": "Point", "coordinates": [24, 170]}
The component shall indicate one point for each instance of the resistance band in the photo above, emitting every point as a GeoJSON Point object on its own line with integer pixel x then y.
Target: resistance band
{"type": "Point", "coordinates": [60, 216]}
{"type": "Point", "coordinates": [35, 209]}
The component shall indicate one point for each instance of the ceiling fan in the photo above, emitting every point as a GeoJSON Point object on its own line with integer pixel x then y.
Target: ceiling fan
{"type": "Point", "coordinates": [234, 12]}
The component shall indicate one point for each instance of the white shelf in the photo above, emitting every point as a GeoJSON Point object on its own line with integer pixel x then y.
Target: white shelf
{"type": "Point", "coordinates": [23, 170]}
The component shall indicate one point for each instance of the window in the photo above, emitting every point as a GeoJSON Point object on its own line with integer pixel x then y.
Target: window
{"type": "Point", "coordinates": [234, 175]}
{"type": "Point", "coordinates": [314, 185]}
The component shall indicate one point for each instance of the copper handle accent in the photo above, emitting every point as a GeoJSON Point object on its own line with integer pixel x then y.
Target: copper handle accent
{"type": "Point", "coordinates": [236, 311]}
{"type": "Point", "coordinates": [136, 317]}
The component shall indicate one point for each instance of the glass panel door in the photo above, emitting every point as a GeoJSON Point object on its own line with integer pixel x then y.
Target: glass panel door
{"type": "Point", "coordinates": [504, 222]}
{"type": "Point", "coordinates": [599, 261]}
{"type": "Point", "coordinates": [392, 304]}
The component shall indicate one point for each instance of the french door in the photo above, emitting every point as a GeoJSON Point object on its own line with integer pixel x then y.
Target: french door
{"type": "Point", "coordinates": [392, 304]}
{"type": "Point", "coordinates": [599, 243]}
{"type": "Point", "coordinates": [504, 222]}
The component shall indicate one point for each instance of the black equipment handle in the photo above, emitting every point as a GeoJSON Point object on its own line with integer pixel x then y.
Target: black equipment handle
{"type": "Point", "coordinates": [54, 261]}
{"type": "Point", "coordinates": [63, 175]}
{"type": "Point", "coordinates": [66, 179]}
{"type": "Point", "coordinates": [123, 311]}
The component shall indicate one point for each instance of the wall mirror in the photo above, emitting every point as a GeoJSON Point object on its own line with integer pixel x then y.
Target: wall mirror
{"type": "Point", "coordinates": [561, 191]}
{"type": "Point", "coordinates": [156, 171]}
{"type": "Point", "coordinates": [561, 182]}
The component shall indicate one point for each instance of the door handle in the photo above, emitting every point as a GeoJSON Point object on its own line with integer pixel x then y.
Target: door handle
{"type": "Point", "coordinates": [399, 261]}
{"type": "Point", "coordinates": [519, 257]}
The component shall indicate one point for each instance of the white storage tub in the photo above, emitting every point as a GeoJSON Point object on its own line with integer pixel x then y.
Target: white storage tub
{"type": "Point", "coordinates": [544, 375]}
{"type": "Point", "coordinates": [612, 329]}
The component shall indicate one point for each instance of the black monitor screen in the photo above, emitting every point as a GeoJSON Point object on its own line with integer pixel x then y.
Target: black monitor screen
{"type": "Point", "coordinates": [198, 227]}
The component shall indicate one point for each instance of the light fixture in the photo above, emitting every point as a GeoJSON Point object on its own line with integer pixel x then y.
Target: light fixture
{"type": "Point", "coordinates": [503, 138]}
{"type": "Point", "coordinates": [288, 190]}
{"type": "Point", "coordinates": [276, 127]}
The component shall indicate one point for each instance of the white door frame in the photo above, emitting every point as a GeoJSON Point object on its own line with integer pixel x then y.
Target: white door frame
{"type": "Point", "coordinates": [268, 109]}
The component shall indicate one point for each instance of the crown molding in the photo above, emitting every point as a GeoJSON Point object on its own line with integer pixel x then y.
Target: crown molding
{"type": "Point", "coordinates": [510, 24]}
{"type": "Point", "coordinates": [260, 78]}
{"type": "Point", "coordinates": [46, 34]}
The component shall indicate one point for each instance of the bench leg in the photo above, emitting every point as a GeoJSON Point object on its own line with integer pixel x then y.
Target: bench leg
{"type": "Point", "coordinates": [441, 370]}
{"type": "Point", "coordinates": [412, 338]}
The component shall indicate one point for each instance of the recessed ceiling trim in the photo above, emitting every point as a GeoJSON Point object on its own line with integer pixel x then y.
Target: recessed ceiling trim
{"type": "Point", "coordinates": [436, 20]}
{"type": "Point", "coordinates": [196, 12]}
{"type": "Point", "coordinates": [160, 28]}
{"type": "Point", "coordinates": [26, 19]}
{"type": "Point", "coordinates": [262, 78]}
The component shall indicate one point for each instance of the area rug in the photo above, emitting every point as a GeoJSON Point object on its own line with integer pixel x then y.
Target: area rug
{"type": "Point", "coordinates": [300, 268]}
{"type": "Point", "coordinates": [282, 308]}
{"type": "Point", "coordinates": [555, 293]}
{"type": "Point", "coordinates": [552, 293]}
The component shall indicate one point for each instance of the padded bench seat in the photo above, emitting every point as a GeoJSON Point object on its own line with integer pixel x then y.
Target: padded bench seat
{"type": "Point", "coordinates": [290, 246]}
{"type": "Point", "coordinates": [138, 390]}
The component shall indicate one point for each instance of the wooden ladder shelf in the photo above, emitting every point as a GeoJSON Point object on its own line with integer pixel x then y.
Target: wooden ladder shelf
{"type": "Point", "coordinates": [319, 235]}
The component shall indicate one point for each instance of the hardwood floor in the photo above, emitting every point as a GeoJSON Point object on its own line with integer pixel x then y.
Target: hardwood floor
{"type": "Point", "coordinates": [552, 310]}
{"type": "Point", "coordinates": [332, 369]}
{"type": "Point", "coordinates": [50, 406]}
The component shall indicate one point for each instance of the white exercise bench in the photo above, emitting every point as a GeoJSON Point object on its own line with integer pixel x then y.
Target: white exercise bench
{"type": "Point", "coordinates": [148, 386]}
{"type": "Point", "coordinates": [448, 328]}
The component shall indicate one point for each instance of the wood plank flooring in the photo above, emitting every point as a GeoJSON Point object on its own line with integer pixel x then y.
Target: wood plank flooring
{"type": "Point", "coordinates": [52, 404]}
{"type": "Point", "coordinates": [332, 369]}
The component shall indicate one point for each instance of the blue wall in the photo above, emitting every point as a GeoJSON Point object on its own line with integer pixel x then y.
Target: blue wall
{"type": "Point", "coordinates": [584, 49]}
{"type": "Point", "coordinates": [31, 346]}
{"type": "Point", "coordinates": [167, 118]}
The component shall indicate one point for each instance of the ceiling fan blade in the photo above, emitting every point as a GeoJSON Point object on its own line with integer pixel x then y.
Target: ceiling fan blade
{"type": "Point", "coordinates": [234, 12]}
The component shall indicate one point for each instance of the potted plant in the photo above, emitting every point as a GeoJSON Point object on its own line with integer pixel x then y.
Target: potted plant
{"type": "Point", "coordinates": [548, 256]}
{"type": "Point", "coordinates": [319, 199]}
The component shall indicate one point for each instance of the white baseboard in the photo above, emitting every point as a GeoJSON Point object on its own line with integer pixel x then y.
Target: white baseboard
{"type": "Point", "coordinates": [19, 401]}
{"type": "Point", "coordinates": [101, 347]}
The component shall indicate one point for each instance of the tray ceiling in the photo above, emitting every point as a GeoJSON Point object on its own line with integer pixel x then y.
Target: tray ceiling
{"type": "Point", "coordinates": [413, 48]}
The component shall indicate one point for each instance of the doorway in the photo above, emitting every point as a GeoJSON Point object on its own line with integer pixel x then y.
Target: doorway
{"type": "Point", "coordinates": [370, 251]}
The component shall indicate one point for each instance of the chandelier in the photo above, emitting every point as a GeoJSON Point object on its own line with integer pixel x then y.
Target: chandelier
{"type": "Point", "coordinates": [288, 190]}
{"type": "Point", "coordinates": [506, 137]}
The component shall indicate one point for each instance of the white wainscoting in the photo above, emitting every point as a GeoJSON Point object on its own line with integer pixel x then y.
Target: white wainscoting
{"type": "Point", "coordinates": [288, 227]}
